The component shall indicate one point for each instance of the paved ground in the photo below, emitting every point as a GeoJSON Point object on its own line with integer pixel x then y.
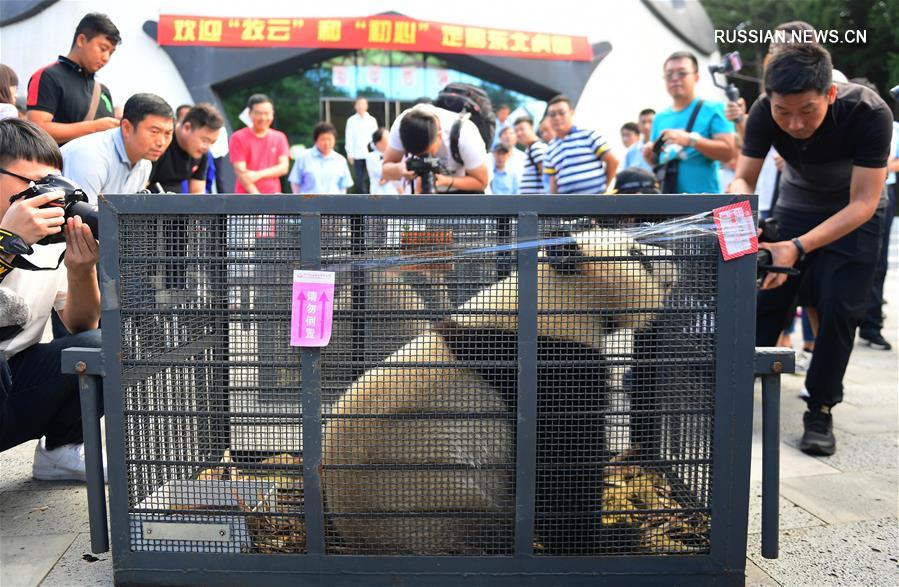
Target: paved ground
{"type": "Point", "coordinates": [838, 515]}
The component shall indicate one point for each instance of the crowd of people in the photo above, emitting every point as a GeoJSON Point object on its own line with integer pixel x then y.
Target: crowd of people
{"type": "Point", "coordinates": [821, 155]}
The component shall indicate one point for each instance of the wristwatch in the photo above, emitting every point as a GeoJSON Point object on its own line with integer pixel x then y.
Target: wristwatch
{"type": "Point", "coordinates": [13, 244]}
{"type": "Point", "coordinates": [799, 246]}
{"type": "Point", "coordinates": [694, 136]}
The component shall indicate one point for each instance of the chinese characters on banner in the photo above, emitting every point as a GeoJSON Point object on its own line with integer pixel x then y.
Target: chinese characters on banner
{"type": "Point", "coordinates": [389, 32]}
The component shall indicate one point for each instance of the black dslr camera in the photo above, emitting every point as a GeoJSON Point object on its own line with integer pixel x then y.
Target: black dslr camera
{"type": "Point", "coordinates": [425, 167]}
{"type": "Point", "coordinates": [770, 234]}
{"type": "Point", "coordinates": [73, 204]}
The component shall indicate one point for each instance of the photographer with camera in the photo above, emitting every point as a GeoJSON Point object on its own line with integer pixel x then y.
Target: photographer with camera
{"type": "Point", "coordinates": [834, 140]}
{"type": "Point", "coordinates": [424, 133]}
{"type": "Point", "coordinates": [36, 399]}
{"type": "Point", "coordinates": [692, 136]}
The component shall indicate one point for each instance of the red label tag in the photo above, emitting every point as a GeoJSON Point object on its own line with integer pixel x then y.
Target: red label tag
{"type": "Point", "coordinates": [736, 230]}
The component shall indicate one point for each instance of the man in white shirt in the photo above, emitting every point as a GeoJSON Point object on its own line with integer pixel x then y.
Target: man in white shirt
{"type": "Point", "coordinates": [359, 129]}
{"type": "Point", "coordinates": [425, 130]}
{"type": "Point", "coordinates": [36, 399]}
{"type": "Point", "coordinates": [118, 161]}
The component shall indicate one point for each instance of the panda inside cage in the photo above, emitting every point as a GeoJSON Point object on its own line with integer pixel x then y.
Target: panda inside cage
{"type": "Point", "coordinates": [420, 388]}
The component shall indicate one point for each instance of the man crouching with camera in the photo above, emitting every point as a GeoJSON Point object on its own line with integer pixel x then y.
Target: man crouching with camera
{"type": "Point", "coordinates": [36, 400]}
{"type": "Point", "coordinates": [425, 133]}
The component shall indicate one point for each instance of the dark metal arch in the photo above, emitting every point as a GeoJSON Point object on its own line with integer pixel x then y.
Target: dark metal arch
{"type": "Point", "coordinates": [688, 20]}
{"type": "Point", "coordinates": [209, 71]}
{"type": "Point", "coordinates": [13, 11]}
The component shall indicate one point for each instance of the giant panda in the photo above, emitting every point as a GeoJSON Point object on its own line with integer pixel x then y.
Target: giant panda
{"type": "Point", "coordinates": [441, 439]}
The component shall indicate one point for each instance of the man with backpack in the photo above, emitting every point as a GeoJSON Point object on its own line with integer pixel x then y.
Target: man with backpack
{"type": "Point", "coordinates": [454, 131]}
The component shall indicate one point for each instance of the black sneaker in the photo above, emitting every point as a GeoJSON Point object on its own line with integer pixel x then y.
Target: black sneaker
{"type": "Point", "coordinates": [875, 340]}
{"type": "Point", "coordinates": [818, 437]}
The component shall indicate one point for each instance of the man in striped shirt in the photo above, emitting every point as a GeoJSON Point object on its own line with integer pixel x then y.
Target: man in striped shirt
{"type": "Point", "coordinates": [535, 152]}
{"type": "Point", "coordinates": [580, 161]}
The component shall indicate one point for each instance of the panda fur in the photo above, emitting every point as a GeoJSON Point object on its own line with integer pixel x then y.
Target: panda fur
{"type": "Point", "coordinates": [481, 450]}
{"type": "Point", "coordinates": [399, 313]}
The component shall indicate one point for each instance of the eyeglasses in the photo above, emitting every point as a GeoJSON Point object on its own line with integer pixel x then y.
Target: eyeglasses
{"type": "Point", "coordinates": [556, 113]}
{"type": "Point", "coordinates": [675, 75]}
{"type": "Point", "coordinates": [29, 181]}
{"type": "Point", "coordinates": [43, 185]}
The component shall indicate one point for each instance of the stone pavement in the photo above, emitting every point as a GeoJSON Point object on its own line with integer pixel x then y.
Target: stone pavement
{"type": "Point", "coordinates": [838, 514]}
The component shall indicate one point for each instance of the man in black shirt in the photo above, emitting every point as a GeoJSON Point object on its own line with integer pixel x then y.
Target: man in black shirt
{"type": "Point", "coordinates": [834, 140]}
{"type": "Point", "coordinates": [185, 159]}
{"type": "Point", "coordinates": [61, 96]}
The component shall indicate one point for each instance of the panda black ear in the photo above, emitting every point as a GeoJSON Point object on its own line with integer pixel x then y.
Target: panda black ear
{"type": "Point", "coordinates": [565, 256]}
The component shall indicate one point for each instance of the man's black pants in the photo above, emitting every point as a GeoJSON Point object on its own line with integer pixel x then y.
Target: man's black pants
{"type": "Point", "coordinates": [360, 171]}
{"type": "Point", "coordinates": [37, 399]}
{"type": "Point", "coordinates": [872, 323]}
{"type": "Point", "coordinates": [838, 277]}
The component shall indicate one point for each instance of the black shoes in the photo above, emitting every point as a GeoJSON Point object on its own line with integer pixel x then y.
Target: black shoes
{"type": "Point", "coordinates": [818, 438]}
{"type": "Point", "coordinates": [875, 340]}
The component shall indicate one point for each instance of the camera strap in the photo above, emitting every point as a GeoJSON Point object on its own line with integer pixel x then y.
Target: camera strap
{"type": "Point", "coordinates": [19, 262]}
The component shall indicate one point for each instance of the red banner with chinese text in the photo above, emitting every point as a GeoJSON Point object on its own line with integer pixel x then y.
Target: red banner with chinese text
{"type": "Point", "coordinates": [389, 32]}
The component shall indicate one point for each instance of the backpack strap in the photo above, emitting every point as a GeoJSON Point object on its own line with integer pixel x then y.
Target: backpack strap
{"type": "Point", "coordinates": [693, 116]}
{"type": "Point", "coordinates": [455, 133]}
{"type": "Point", "coordinates": [95, 101]}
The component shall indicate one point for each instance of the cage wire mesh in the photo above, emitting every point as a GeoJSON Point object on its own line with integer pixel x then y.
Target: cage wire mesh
{"type": "Point", "coordinates": [419, 385]}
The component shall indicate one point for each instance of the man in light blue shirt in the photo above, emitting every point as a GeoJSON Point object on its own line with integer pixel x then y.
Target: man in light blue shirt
{"type": "Point", "coordinates": [119, 160]}
{"type": "Point", "coordinates": [321, 169]}
{"type": "Point", "coordinates": [711, 139]}
{"type": "Point", "coordinates": [502, 123]}
{"type": "Point", "coordinates": [634, 155]}
{"type": "Point", "coordinates": [505, 181]}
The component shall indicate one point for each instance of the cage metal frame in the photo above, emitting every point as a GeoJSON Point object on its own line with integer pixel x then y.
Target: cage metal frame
{"type": "Point", "coordinates": [731, 448]}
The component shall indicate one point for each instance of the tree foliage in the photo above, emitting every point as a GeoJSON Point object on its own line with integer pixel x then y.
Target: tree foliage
{"type": "Point", "coordinates": [877, 59]}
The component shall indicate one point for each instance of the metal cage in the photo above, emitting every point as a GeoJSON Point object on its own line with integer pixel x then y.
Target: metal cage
{"type": "Point", "coordinates": [495, 404]}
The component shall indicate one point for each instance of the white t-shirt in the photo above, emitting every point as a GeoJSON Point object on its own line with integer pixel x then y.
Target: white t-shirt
{"type": "Point", "coordinates": [471, 146]}
{"type": "Point", "coordinates": [43, 291]}
{"type": "Point", "coordinates": [373, 163]}
{"type": "Point", "coordinates": [767, 181]}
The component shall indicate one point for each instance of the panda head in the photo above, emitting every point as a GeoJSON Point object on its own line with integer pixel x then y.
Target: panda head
{"type": "Point", "coordinates": [607, 269]}
{"type": "Point", "coordinates": [589, 284]}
